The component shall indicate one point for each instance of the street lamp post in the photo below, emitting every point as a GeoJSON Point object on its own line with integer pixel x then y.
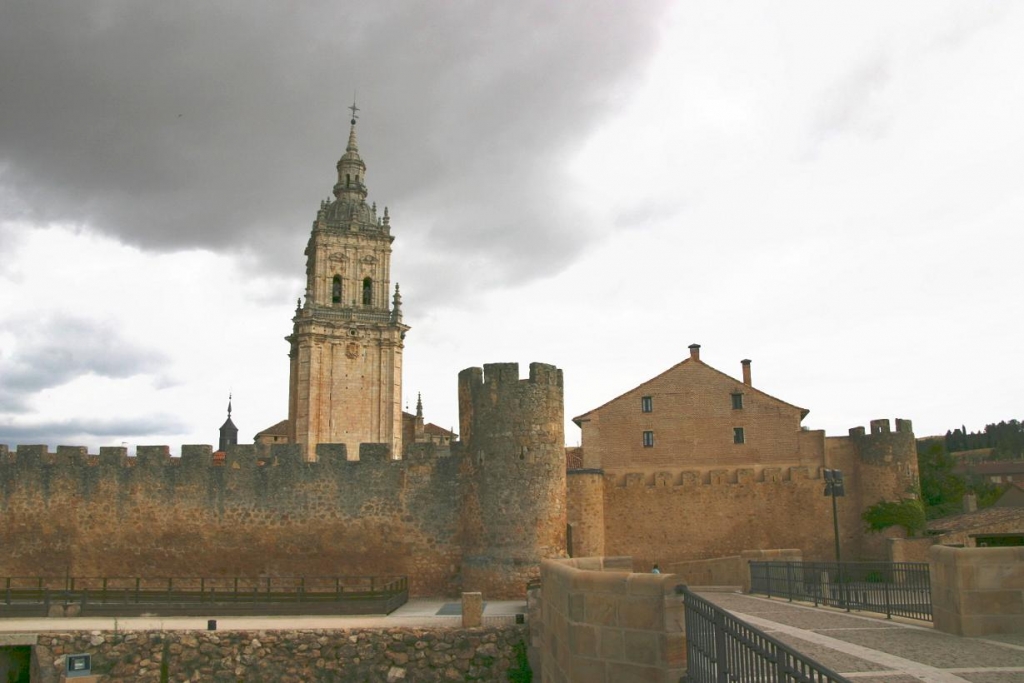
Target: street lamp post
{"type": "Point", "coordinates": [834, 488]}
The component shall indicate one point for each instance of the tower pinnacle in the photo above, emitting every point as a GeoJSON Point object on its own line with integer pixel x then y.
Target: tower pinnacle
{"type": "Point", "coordinates": [351, 169]}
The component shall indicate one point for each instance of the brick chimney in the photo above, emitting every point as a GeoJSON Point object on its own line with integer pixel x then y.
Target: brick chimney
{"type": "Point", "coordinates": [694, 351]}
{"type": "Point", "coordinates": [746, 371]}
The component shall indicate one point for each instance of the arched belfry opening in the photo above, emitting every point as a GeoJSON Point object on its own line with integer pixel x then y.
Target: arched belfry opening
{"type": "Point", "coordinates": [336, 290]}
{"type": "Point", "coordinates": [367, 291]}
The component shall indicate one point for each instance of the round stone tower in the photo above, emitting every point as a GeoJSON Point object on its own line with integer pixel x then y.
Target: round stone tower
{"type": "Point", "coordinates": [513, 445]}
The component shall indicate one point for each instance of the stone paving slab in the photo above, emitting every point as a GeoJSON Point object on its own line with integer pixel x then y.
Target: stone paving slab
{"type": "Point", "coordinates": [833, 659]}
{"type": "Point", "coordinates": [870, 649]}
{"type": "Point", "coordinates": [941, 650]}
{"type": "Point", "coordinates": [419, 612]}
{"type": "Point", "coordinates": [994, 677]}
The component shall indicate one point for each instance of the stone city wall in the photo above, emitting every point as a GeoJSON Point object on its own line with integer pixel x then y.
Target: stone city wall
{"type": "Point", "coordinates": [676, 515]}
{"type": "Point", "coordinates": [695, 515]}
{"type": "Point", "coordinates": [478, 516]}
{"type": "Point", "coordinates": [69, 513]}
{"type": "Point", "coordinates": [393, 654]}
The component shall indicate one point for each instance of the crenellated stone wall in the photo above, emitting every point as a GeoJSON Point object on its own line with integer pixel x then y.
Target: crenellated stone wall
{"type": "Point", "coordinates": [478, 516]}
{"type": "Point", "coordinates": [154, 515]}
{"type": "Point", "coordinates": [675, 515]}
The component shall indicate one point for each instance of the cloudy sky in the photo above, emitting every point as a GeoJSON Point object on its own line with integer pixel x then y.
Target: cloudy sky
{"type": "Point", "coordinates": [834, 190]}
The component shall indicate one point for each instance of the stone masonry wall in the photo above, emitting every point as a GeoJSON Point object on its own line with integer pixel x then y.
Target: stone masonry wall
{"type": "Point", "coordinates": [514, 494]}
{"type": "Point", "coordinates": [674, 515]}
{"type": "Point", "coordinates": [394, 654]}
{"type": "Point", "coordinates": [604, 625]}
{"type": "Point", "coordinates": [585, 510]}
{"type": "Point", "coordinates": [694, 515]}
{"type": "Point", "coordinates": [156, 516]}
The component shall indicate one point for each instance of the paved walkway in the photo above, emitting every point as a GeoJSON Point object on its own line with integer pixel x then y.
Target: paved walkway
{"type": "Point", "coordinates": [416, 612]}
{"type": "Point", "coordinates": [869, 649]}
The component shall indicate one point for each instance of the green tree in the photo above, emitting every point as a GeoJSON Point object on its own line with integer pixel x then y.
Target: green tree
{"type": "Point", "coordinates": [942, 491]}
{"type": "Point", "coordinates": [907, 513]}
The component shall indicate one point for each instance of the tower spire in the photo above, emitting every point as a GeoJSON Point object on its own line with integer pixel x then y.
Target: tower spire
{"type": "Point", "coordinates": [351, 169]}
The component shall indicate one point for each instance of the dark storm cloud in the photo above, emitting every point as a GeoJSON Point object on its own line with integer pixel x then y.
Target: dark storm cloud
{"type": "Point", "coordinates": [88, 432]}
{"type": "Point", "coordinates": [174, 125]}
{"type": "Point", "coordinates": [53, 352]}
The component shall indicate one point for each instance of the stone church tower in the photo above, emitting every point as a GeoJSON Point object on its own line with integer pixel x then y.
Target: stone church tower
{"type": "Point", "coordinates": [345, 383]}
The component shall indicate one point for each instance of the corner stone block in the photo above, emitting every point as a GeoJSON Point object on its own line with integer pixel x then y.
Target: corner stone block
{"type": "Point", "coordinates": [472, 610]}
{"type": "Point", "coordinates": [593, 583]}
{"type": "Point", "coordinates": [673, 646]}
{"type": "Point", "coordinates": [617, 563]}
{"type": "Point", "coordinates": [602, 609]}
{"type": "Point", "coordinates": [583, 639]}
{"type": "Point", "coordinates": [640, 612]}
{"type": "Point", "coordinates": [642, 647]}
{"type": "Point", "coordinates": [610, 644]}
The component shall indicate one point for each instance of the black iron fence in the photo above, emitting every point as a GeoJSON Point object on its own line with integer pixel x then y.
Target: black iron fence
{"type": "Point", "coordinates": [890, 588]}
{"type": "Point", "coordinates": [125, 596]}
{"type": "Point", "coordinates": [723, 649]}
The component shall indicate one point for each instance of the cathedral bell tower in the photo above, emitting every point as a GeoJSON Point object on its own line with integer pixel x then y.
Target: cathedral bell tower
{"type": "Point", "coordinates": [345, 384]}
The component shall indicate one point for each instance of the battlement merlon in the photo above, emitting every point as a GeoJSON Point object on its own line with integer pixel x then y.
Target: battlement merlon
{"type": "Point", "coordinates": [880, 445]}
{"type": "Point", "coordinates": [882, 427]}
{"type": "Point", "coordinates": [243, 456]}
{"type": "Point", "coordinates": [508, 374]}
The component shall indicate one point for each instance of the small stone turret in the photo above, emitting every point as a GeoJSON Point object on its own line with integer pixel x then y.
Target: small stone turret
{"type": "Point", "coordinates": [513, 445]}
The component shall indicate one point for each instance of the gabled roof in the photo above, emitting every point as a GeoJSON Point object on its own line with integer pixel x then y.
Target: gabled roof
{"type": "Point", "coordinates": [586, 415]}
{"type": "Point", "coordinates": [979, 519]}
{"type": "Point", "coordinates": [280, 429]}
{"type": "Point", "coordinates": [431, 428]}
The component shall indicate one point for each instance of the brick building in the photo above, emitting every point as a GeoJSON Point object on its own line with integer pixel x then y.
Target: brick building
{"type": "Point", "coordinates": [694, 464]}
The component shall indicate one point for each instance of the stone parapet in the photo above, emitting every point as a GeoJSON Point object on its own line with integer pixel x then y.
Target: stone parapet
{"type": "Point", "coordinates": [977, 591]}
{"type": "Point", "coordinates": [602, 624]}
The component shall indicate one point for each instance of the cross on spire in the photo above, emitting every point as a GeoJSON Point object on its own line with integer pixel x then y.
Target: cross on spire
{"type": "Point", "coordinates": [354, 109]}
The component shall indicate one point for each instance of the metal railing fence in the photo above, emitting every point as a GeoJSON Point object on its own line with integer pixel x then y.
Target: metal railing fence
{"type": "Point", "coordinates": [891, 588]}
{"type": "Point", "coordinates": [27, 596]}
{"type": "Point", "coordinates": [723, 649]}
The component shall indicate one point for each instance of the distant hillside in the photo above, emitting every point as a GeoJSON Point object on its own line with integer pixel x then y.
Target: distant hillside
{"type": "Point", "coordinates": [1003, 441]}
